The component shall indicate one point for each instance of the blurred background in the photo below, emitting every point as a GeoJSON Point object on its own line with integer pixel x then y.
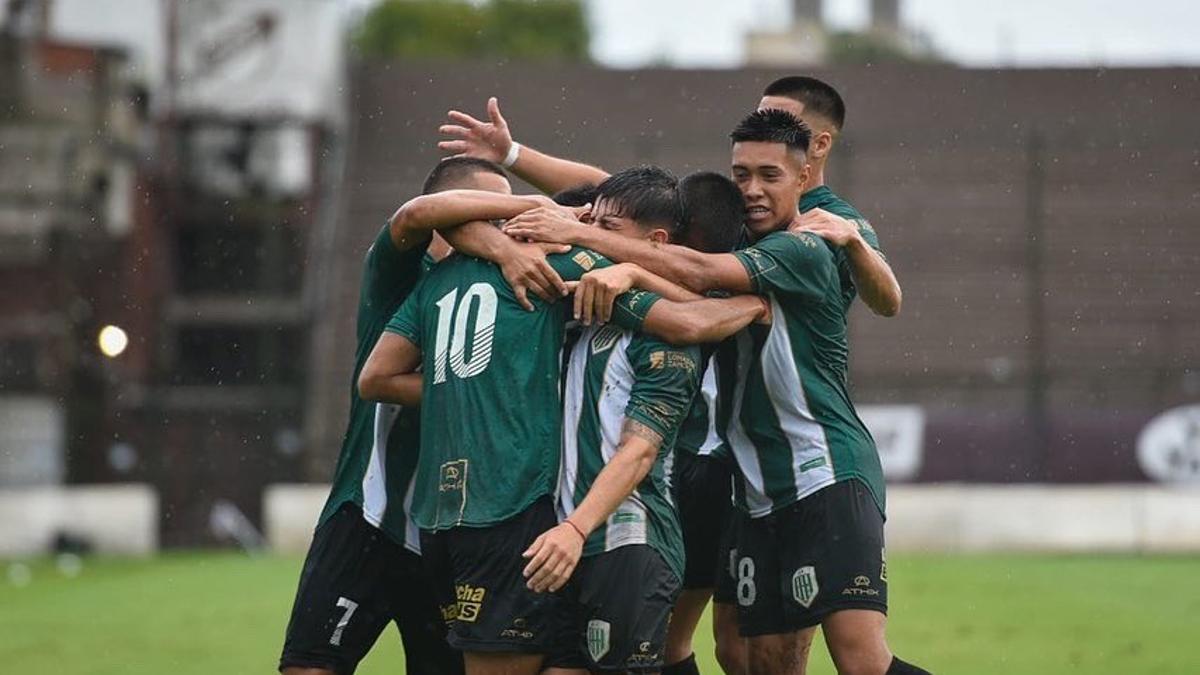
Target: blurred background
{"type": "Point", "coordinates": [188, 187]}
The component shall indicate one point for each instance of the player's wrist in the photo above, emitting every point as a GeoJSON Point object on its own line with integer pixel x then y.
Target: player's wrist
{"type": "Point", "coordinates": [571, 525]}
{"type": "Point", "coordinates": [511, 154]}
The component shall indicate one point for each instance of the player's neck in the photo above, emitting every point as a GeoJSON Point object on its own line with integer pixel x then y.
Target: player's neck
{"type": "Point", "coordinates": [816, 177]}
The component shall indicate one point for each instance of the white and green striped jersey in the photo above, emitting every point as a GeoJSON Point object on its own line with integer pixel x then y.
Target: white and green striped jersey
{"type": "Point", "coordinates": [702, 431]}
{"type": "Point", "coordinates": [378, 458]}
{"type": "Point", "coordinates": [793, 429]}
{"type": "Point", "coordinates": [614, 375]}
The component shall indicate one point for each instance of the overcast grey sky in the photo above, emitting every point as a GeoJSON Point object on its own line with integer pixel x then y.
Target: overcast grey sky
{"type": "Point", "coordinates": [631, 33]}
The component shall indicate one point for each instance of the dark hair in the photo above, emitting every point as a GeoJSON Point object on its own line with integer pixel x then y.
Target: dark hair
{"type": "Point", "coordinates": [817, 96]}
{"type": "Point", "coordinates": [580, 195]}
{"type": "Point", "coordinates": [648, 195]}
{"type": "Point", "coordinates": [452, 170]}
{"type": "Point", "coordinates": [773, 126]}
{"type": "Point", "coordinates": [713, 212]}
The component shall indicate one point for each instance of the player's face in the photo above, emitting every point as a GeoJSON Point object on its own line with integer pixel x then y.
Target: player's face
{"type": "Point", "coordinates": [771, 179]}
{"type": "Point", "coordinates": [606, 216]}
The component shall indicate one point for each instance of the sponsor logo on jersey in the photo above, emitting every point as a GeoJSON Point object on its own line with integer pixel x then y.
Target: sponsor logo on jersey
{"type": "Point", "coordinates": [470, 601]}
{"type": "Point", "coordinates": [804, 585]}
{"type": "Point", "coordinates": [453, 476]}
{"type": "Point", "coordinates": [585, 260]}
{"type": "Point", "coordinates": [597, 638]}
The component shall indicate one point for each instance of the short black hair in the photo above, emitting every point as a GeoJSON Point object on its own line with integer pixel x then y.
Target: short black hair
{"type": "Point", "coordinates": [580, 195]}
{"type": "Point", "coordinates": [713, 212]}
{"type": "Point", "coordinates": [646, 194]}
{"type": "Point", "coordinates": [773, 126]}
{"type": "Point", "coordinates": [453, 169]}
{"type": "Point", "coordinates": [817, 96]}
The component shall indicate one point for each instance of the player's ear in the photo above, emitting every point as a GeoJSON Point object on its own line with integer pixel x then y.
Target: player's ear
{"type": "Point", "coordinates": [820, 145]}
{"type": "Point", "coordinates": [659, 236]}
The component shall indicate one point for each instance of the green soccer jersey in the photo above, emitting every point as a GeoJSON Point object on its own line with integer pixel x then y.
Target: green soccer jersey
{"type": "Point", "coordinates": [793, 429]}
{"type": "Point", "coordinates": [491, 410]}
{"type": "Point", "coordinates": [614, 375]}
{"type": "Point", "coordinates": [823, 198]}
{"type": "Point", "coordinates": [378, 458]}
{"type": "Point", "coordinates": [701, 431]}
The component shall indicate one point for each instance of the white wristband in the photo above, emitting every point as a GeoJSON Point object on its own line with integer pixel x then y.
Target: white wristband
{"type": "Point", "coordinates": [511, 157]}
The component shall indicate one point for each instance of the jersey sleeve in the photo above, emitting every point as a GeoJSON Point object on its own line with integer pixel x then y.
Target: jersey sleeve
{"type": "Point", "coordinates": [665, 382]}
{"type": "Point", "coordinates": [868, 233]}
{"type": "Point", "coordinates": [406, 322]}
{"type": "Point", "coordinates": [390, 273]}
{"type": "Point", "coordinates": [629, 309]}
{"type": "Point", "coordinates": [798, 266]}
{"type": "Point", "coordinates": [577, 262]}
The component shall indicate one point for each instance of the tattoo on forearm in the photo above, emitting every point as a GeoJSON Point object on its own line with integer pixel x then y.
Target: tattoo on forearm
{"type": "Point", "coordinates": [636, 428]}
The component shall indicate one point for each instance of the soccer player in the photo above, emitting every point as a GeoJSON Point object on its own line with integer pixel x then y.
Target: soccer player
{"type": "Point", "coordinates": [626, 394]}
{"type": "Point", "coordinates": [362, 570]}
{"type": "Point", "coordinates": [810, 548]}
{"type": "Point", "coordinates": [861, 265]}
{"type": "Point", "coordinates": [491, 423]}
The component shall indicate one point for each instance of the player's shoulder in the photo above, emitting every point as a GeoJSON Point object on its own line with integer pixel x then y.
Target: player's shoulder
{"type": "Point", "coordinates": [585, 258]}
{"type": "Point", "coordinates": [788, 244]}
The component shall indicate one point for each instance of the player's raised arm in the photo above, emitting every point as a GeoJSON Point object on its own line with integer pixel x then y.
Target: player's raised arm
{"type": "Point", "coordinates": [876, 283]}
{"type": "Point", "coordinates": [492, 140]}
{"type": "Point", "coordinates": [415, 219]}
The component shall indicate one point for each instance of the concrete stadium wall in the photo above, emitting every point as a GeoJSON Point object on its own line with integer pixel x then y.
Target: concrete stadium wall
{"type": "Point", "coordinates": [113, 519]}
{"type": "Point", "coordinates": [935, 518]}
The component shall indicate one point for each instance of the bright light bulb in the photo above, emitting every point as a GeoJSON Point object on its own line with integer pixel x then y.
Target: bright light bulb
{"type": "Point", "coordinates": [113, 341]}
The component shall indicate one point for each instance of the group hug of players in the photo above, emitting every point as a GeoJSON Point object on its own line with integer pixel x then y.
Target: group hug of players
{"type": "Point", "coordinates": [575, 420]}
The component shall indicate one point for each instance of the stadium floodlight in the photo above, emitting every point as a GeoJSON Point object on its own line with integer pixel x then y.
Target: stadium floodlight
{"type": "Point", "coordinates": [113, 341]}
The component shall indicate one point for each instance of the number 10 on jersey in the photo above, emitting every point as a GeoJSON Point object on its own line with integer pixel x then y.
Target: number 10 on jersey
{"type": "Point", "coordinates": [453, 347]}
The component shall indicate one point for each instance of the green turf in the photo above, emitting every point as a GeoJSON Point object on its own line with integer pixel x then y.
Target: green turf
{"type": "Point", "coordinates": [977, 615]}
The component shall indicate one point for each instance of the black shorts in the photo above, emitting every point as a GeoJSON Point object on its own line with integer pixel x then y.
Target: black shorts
{"type": "Point", "coordinates": [615, 611]}
{"type": "Point", "coordinates": [823, 554]}
{"type": "Point", "coordinates": [701, 487]}
{"type": "Point", "coordinates": [355, 581]}
{"type": "Point", "coordinates": [725, 590]}
{"type": "Point", "coordinates": [481, 586]}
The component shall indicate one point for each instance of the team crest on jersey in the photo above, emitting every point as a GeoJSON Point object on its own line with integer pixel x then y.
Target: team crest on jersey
{"type": "Point", "coordinates": [598, 638]}
{"type": "Point", "coordinates": [804, 585]}
{"type": "Point", "coordinates": [605, 338]}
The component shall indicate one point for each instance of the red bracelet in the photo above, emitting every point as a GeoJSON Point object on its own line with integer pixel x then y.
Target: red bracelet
{"type": "Point", "coordinates": [576, 528]}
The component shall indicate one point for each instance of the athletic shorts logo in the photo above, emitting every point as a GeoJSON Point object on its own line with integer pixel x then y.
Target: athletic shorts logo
{"type": "Point", "coordinates": [597, 638]}
{"type": "Point", "coordinates": [804, 585]}
{"type": "Point", "coordinates": [883, 565]}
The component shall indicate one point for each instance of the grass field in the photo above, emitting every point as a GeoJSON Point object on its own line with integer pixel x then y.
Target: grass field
{"type": "Point", "coordinates": [971, 615]}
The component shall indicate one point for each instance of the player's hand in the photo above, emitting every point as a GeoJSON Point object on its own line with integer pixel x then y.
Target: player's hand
{"type": "Point", "coordinates": [833, 228]}
{"type": "Point", "coordinates": [525, 269]}
{"type": "Point", "coordinates": [552, 558]}
{"type": "Point", "coordinates": [555, 225]}
{"type": "Point", "coordinates": [598, 290]}
{"type": "Point", "coordinates": [470, 137]}
{"type": "Point", "coordinates": [765, 317]}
